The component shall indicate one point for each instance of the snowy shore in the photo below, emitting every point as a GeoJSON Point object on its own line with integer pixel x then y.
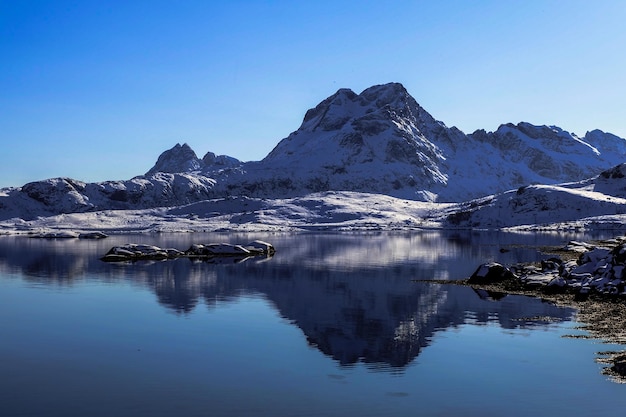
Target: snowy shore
{"type": "Point", "coordinates": [335, 211]}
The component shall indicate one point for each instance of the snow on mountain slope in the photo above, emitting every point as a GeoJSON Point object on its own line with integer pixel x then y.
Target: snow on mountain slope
{"type": "Point", "coordinates": [64, 195]}
{"type": "Point", "coordinates": [372, 142]}
{"type": "Point", "coordinates": [533, 207]}
{"type": "Point", "coordinates": [604, 195]}
{"type": "Point", "coordinates": [383, 141]}
{"type": "Point", "coordinates": [346, 211]}
{"type": "Point", "coordinates": [543, 154]}
{"type": "Point", "coordinates": [611, 182]}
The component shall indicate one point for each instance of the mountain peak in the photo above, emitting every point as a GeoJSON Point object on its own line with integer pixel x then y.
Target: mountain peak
{"type": "Point", "coordinates": [384, 94]}
{"type": "Point", "coordinates": [180, 158]}
{"type": "Point", "coordinates": [384, 102]}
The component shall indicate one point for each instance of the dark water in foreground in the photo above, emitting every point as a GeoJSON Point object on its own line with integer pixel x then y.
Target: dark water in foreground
{"type": "Point", "coordinates": [333, 325]}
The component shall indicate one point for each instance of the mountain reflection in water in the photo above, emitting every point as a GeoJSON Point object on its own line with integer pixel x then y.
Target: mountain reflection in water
{"type": "Point", "coordinates": [353, 297]}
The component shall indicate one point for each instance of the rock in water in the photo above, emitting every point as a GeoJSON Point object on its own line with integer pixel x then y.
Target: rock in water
{"type": "Point", "coordinates": [489, 273]}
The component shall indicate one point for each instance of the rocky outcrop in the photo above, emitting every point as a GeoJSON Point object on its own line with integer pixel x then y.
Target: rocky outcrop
{"type": "Point", "coordinates": [138, 252]}
{"type": "Point", "coordinates": [181, 158]}
{"type": "Point", "coordinates": [490, 273]}
{"type": "Point", "coordinates": [594, 283]}
{"type": "Point", "coordinates": [599, 270]}
{"type": "Point", "coordinates": [212, 162]}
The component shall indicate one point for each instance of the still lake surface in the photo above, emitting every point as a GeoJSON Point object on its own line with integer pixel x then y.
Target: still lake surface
{"type": "Point", "coordinates": [332, 325]}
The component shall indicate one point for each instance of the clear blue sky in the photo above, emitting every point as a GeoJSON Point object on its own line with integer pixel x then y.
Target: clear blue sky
{"type": "Point", "coordinates": [96, 90]}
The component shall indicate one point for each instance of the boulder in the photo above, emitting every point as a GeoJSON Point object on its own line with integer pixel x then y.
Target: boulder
{"type": "Point", "coordinates": [619, 254]}
{"type": "Point", "coordinates": [619, 365]}
{"type": "Point", "coordinates": [489, 273]}
{"type": "Point", "coordinates": [261, 247]}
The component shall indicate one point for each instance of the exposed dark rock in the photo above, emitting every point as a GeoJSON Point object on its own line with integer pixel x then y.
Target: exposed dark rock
{"type": "Point", "coordinates": [136, 252]}
{"type": "Point", "coordinates": [92, 235]}
{"type": "Point", "coordinates": [489, 273]}
{"type": "Point", "coordinates": [619, 365]}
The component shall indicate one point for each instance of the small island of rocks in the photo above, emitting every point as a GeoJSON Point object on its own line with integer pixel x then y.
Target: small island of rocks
{"type": "Point", "coordinates": [136, 252]}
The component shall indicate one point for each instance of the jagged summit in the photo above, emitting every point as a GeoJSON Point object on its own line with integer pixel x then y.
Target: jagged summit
{"type": "Point", "coordinates": [389, 100]}
{"type": "Point", "coordinates": [382, 125]}
{"type": "Point", "coordinates": [212, 161]}
{"type": "Point", "coordinates": [180, 158]}
{"type": "Point", "coordinates": [375, 141]}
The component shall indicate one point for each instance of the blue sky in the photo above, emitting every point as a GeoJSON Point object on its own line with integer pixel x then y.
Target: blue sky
{"type": "Point", "coordinates": [96, 90]}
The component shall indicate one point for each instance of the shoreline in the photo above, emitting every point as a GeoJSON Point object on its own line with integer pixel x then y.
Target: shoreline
{"type": "Point", "coordinates": [603, 318]}
{"type": "Point", "coordinates": [601, 312]}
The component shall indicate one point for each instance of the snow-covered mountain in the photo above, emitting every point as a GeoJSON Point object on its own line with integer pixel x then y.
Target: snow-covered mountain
{"type": "Point", "coordinates": [543, 154]}
{"type": "Point", "coordinates": [65, 195]}
{"type": "Point", "coordinates": [375, 142]}
{"type": "Point", "coordinates": [383, 141]}
{"type": "Point", "coordinates": [380, 141]}
{"type": "Point", "coordinates": [600, 198]}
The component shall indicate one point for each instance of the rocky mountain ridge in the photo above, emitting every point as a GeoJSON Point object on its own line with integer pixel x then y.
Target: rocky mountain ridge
{"type": "Point", "coordinates": [181, 158]}
{"type": "Point", "coordinates": [380, 141]}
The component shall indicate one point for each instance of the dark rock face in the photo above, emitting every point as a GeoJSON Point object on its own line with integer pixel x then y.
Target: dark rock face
{"type": "Point", "coordinates": [617, 172]}
{"type": "Point", "coordinates": [619, 365]}
{"type": "Point", "coordinates": [611, 182]}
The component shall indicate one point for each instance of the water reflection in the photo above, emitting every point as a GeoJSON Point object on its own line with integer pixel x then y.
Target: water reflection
{"type": "Point", "coordinates": [353, 297]}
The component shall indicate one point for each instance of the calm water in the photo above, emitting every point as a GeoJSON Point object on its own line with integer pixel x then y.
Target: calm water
{"type": "Point", "coordinates": [333, 325]}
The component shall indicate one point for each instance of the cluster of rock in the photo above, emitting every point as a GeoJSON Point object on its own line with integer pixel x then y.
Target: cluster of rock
{"type": "Point", "coordinates": [135, 252]}
{"type": "Point", "coordinates": [598, 270]}
{"type": "Point", "coordinates": [66, 234]}
{"type": "Point", "coordinates": [258, 247]}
